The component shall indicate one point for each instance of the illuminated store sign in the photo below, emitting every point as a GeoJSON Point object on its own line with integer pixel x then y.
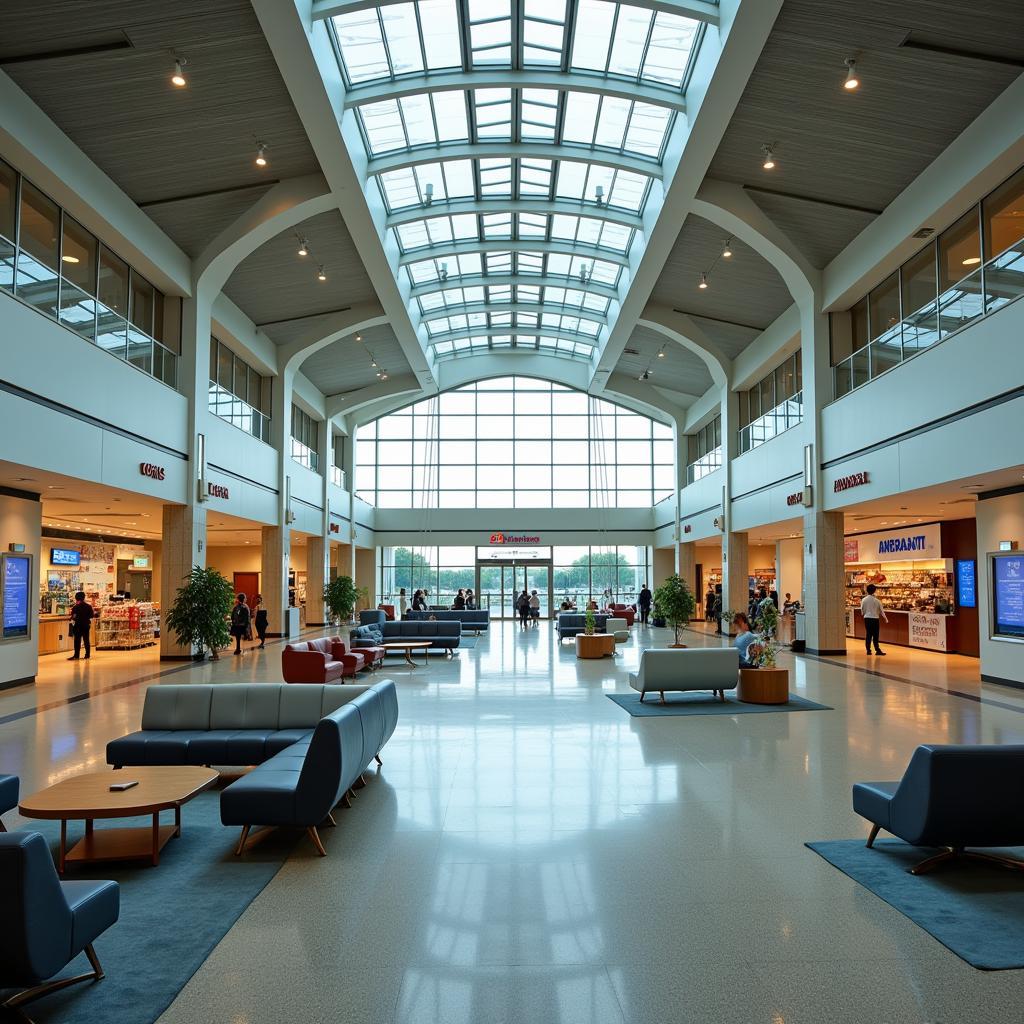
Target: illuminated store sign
{"type": "Point", "coordinates": [796, 498]}
{"type": "Point", "coordinates": [844, 483]}
{"type": "Point", "coordinates": [509, 538]}
{"type": "Point", "coordinates": [154, 472]}
{"type": "Point", "coordinates": [913, 544]}
{"type": "Point", "coordinates": [217, 491]}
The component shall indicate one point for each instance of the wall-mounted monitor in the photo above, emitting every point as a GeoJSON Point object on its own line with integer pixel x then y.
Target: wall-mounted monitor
{"type": "Point", "coordinates": [1008, 595]}
{"type": "Point", "coordinates": [15, 596]}
{"type": "Point", "coordinates": [65, 556]}
{"type": "Point", "coordinates": [966, 583]}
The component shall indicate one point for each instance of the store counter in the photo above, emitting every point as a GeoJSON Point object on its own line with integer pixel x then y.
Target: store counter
{"type": "Point", "coordinates": [909, 629]}
{"type": "Point", "coordinates": [54, 634]}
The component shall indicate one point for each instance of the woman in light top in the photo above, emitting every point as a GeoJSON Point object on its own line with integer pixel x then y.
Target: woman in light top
{"type": "Point", "coordinates": [746, 641]}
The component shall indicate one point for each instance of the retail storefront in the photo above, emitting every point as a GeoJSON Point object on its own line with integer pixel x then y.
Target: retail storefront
{"type": "Point", "coordinates": [924, 575]}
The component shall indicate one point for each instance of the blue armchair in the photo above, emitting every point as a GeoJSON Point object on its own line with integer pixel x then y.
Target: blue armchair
{"type": "Point", "coordinates": [953, 797]}
{"type": "Point", "coordinates": [8, 796]}
{"type": "Point", "coordinates": [47, 922]}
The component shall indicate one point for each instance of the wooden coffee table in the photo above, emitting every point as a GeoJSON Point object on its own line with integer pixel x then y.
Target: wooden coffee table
{"type": "Point", "coordinates": [594, 645]}
{"type": "Point", "coordinates": [88, 797]}
{"type": "Point", "coordinates": [409, 647]}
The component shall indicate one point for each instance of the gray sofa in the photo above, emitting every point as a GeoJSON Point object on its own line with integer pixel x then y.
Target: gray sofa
{"type": "Point", "coordinates": [310, 743]}
{"type": "Point", "coordinates": [692, 668]}
{"type": "Point", "coordinates": [477, 620]}
{"type": "Point", "coordinates": [445, 635]}
{"type": "Point", "coordinates": [571, 623]}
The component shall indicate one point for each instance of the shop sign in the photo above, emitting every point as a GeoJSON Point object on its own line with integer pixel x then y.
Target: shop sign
{"type": "Point", "coordinates": [796, 498]}
{"type": "Point", "coordinates": [153, 471]}
{"type": "Point", "coordinates": [911, 545]}
{"type": "Point", "coordinates": [509, 538]}
{"type": "Point", "coordinates": [217, 491]}
{"type": "Point", "coordinates": [844, 483]}
{"type": "Point", "coordinates": [335, 528]}
{"type": "Point", "coordinates": [851, 550]}
{"type": "Point", "coordinates": [928, 631]}
{"type": "Point", "coordinates": [687, 528]}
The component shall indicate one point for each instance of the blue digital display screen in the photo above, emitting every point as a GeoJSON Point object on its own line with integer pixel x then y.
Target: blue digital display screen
{"type": "Point", "coordinates": [966, 583]}
{"type": "Point", "coordinates": [65, 556]}
{"type": "Point", "coordinates": [1008, 595]}
{"type": "Point", "coordinates": [16, 583]}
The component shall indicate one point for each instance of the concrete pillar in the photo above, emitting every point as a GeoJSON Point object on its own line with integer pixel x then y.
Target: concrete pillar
{"type": "Point", "coordinates": [317, 573]}
{"type": "Point", "coordinates": [824, 583]}
{"type": "Point", "coordinates": [276, 560]}
{"type": "Point", "coordinates": [687, 561]}
{"type": "Point", "coordinates": [735, 575]}
{"type": "Point", "coordinates": [184, 546]}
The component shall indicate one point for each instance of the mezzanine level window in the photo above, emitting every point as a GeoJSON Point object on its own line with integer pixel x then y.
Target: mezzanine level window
{"type": "Point", "coordinates": [305, 440]}
{"type": "Point", "coordinates": [238, 393]}
{"type": "Point", "coordinates": [51, 262]}
{"type": "Point", "coordinates": [338, 463]}
{"type": "Point", "coordinates": [704, 450]}
{"type": "Point", "coordinates": [773, 405]}
{"type": "Point", "coordinates": [973, 268]}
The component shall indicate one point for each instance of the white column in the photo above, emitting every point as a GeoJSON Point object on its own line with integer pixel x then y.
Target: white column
{"type": "Point", "coordinates": [277, 541]}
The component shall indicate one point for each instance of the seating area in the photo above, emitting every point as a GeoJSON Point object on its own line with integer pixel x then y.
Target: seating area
{"type": "Point", "coordinates": [474, 620]}
{"type": "Point", "coordinates": [568, 624]}
{"type": "Point", "coordinates": [677, 671]}
{"type": "Point", "coordinates": [325, 660]}
{"type": "Point", "coordinates": [444, 636]}
{"type": "Point", "coordinates": [623, 611]}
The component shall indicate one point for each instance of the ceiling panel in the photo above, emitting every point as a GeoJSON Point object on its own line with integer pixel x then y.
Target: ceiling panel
{"type": "Point", "coordinates": [345, 365]}
{"type": "Point", "coordinates": [679, 369]}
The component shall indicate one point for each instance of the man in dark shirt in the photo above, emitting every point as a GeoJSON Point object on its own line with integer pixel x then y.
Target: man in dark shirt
{"type": "Point", "coordinates": [81, 622]}
{"type": "Point", "coordinates": [644, 599]}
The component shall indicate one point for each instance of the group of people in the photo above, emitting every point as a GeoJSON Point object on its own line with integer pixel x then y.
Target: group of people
{"type": "Point", "coordinates": [528, 607]}
{"type": "Point", "coordinates": [465, 599]}
{"type": "Point", "coordinates": [244, 617]}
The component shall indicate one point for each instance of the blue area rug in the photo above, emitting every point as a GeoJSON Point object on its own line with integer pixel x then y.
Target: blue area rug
{"type": "Point", "coordinates": [172, 915]}
{"type": "Point", "coordinates": [974, 910]}
{"type": "Point", "coordinates": [702, 703]}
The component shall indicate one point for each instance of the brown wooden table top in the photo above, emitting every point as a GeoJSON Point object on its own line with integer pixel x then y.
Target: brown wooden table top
{"type": "Point", "coordinates": [89, 795]}
{"type": "Point", "coordinates": [407, 644]}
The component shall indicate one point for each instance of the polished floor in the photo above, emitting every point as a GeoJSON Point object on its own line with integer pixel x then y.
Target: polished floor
{"type": "Point", "coordinates": [530, 853]}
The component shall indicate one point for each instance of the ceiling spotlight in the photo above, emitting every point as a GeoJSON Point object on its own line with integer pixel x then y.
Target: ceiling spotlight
{"type": "Point", "coordinates": [661, 352]}
{"type": "Point", "coordinates": [428, 197]}
{"type": "Point", "coordinates": [303, 247]}
{"type": "Point", "coordinates": [852, 81]}
{"type": "Point", "coordinates": [727, 251]}
{"type": "Point", "coordinates": [178, 78]}
{"type": "Point", "coordinates": [769, 156]}
{"type": "Point", "coordinates": [69, 259]}
{"type": "Point", "coordinates": [599, 193]}
{"type": "Point", "coordinates": [971, 261]}
{"type": "Point", "coordinates": [261, 155]}
{"type": "Point", "coordinates": [359, 337]}
{"type": "Point", "coordinates": [383, 374]}
{"type": "Point", "coordinates": [646, 375]}
{"type": "Point", "coordinates": [703, 281]}
{"type": "Point", "coordinates": [373, 363]}
{"type": "Point", "coordinates": [444, 272]}
{"type": "Point", "coordinates": [320, 275]}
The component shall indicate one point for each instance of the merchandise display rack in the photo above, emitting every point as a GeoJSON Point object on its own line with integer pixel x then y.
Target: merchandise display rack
{"type": "Point", "coordinates": [125, 627]}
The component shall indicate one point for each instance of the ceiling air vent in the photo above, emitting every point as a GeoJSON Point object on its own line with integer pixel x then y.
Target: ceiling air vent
{"type": "Point", "coordinates": [631, 351]}
{"type": "Point", "coordinates": [923, 233]}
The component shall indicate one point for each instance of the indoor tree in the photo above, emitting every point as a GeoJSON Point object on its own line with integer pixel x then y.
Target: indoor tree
{"type": "Point", "coordinates": [676, 602]}
{"type": "Point", "coordinates": [340, 596]}
{"type": "Point", "coordinates": [199, 615]}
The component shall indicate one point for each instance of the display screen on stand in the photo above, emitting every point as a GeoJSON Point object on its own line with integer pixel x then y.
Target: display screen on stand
{"type": "Point", "coordinates": [1008, 596]}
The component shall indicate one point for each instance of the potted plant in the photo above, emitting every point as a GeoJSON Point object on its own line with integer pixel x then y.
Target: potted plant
{"type": "Point", "coordinates": [589, 622]}
{"type": "Point", "coordinates": [676, 602]}
{"type": "Point", "coordinates": [340, 596]}
{"type": "Point", "coordinates": [657, 616]}
{"type": "Point", "coordinates": [764, 682]}
{"type": "Point", "coordinates": [199, 615]}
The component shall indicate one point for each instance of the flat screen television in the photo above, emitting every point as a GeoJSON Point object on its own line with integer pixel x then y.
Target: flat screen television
{"type": "Point", "coordinates": [1008, 595]}
{"type": "Point", "coordinates": [966, 583]}
{"type": "Point", "coordinates": [65, 556]}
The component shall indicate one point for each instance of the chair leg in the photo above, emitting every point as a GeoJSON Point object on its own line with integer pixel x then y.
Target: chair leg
{"type": "Point", "coordinates": [994, 858]}
{"type": "Point", "coordinates": [360, 782]}
{"type": "Point", "coordinates": [30, 994]}
{"type": "Point", "coordinates": [930, 863]}
{"type": "Point", "coordinates": [662, 692]}
{"type": "Point", "coordinates": [346, 800]}
{"type": "Point", "coordinates": [376, 758]}
{"type": "Point", "coordinates": [315, 836]}
{"type": "Point", "coordinates": [94, 960]}
{"type": "Point", "coordinates": [329, 820]}
{"type": "Point", "coordinates": [241, 841]}
{"type": "Point", "coordinates": [871, 838]}
{"type": "Point", "coordinates": [642, 695]}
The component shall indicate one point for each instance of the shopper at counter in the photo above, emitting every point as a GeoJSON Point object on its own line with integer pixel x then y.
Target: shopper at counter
{"type": "Point", "coordinates": [873, 614]}
{"type": "Point", "coordinates": [81, 623]}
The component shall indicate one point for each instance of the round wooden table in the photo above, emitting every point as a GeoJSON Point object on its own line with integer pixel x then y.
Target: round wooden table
{"type": "Point", "coordinates": [763, 686]}
{"type": "Point", "coordinates": [87, 797]}
{"type": "Point", "coordinates": [408, 646]}
{"type": "Point", "coordinates": [596, 645]}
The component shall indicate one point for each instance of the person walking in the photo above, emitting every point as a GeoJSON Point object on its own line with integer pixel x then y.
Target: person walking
{"type": "Point", "coordinates": [403, 604]}
{"type": "Point", "coordinates": [643, 601]}
{"type": "Point", "coordinates": [523, 607]}
{"type": "Point", "coordinates": [873, 613]}
{"type": "Point", "coordinates": [240, 618]}
{"type": "Point", "coordinates": [709, 604]}
{"type": "Point", "coordinates": [81, 622]}
{"type": "Point", "coordinates": [534, 608]}
{"type": "Point", "coordinates": [261, 622]}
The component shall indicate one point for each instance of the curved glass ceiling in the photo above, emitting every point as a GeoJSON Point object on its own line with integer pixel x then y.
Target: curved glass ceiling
{"type": "Point", "coordinates": [514, 144]}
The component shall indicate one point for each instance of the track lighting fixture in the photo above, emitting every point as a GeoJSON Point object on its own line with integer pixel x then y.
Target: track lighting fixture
{"type": "Point", "coordinates": [646, 375]}
{"type": "Point", "coordinates": [261, 154]}
{"type": "Point", "coordinates": [320, 275]}
{"type": "Point", "coordinates": [661, 352]}
{"type": "Point", "coordinates": [359, 337]}
{"type": "Point", "coordinates": [768, 163]}
{"type": "Point", "coordinates": [703, 281]}
{"type": "Point", "coordinates": [383, 374]}
{"type": "Point", "coordinates": [303, 247]}
{"type": "Point", "coordinates": [727, 250]}
{"type": "Point", "coordinates": [852, 81]}
{"type": "Point", "coordinates": [428, 193]}
{"type": "Point", "coordinates": [444, 272]}
{"type": "Point", "coordinates": [178, 78]}
{"type": "Point", "coordinates": [599, 192]}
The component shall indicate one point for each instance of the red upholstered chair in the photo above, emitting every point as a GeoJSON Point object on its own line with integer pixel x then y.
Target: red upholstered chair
{"type": "Point", "coordinates": [340, 650]}
{"type": "Point", "coordinates": [623, 611]}
{"type": "Point", "coordinates": [313, 662]}
{"type": "Point", "coordinates": [388, 610]}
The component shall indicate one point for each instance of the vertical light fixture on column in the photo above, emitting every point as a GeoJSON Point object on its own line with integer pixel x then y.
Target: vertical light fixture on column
{"type": "Point", "coordinates": [808, 496]}
{"type": "Point", "coordinates": [289, 515]}
{"type": "Point", "coordinates": [201, 467]}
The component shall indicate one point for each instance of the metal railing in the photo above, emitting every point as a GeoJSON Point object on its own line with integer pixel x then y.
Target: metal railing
{"type": "Point", "coordinates": [772, 423]}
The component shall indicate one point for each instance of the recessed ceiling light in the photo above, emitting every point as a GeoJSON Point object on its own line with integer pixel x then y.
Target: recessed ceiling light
{"type": "Point", "coordinates": [261, 155]}
{"type": "Point", "coordinates": [68, 258]}
{"type": "Point", "coordinates": [768, 163]}
{"type": "Point", "coordinates": [703, 281]}
{"type": "Point", "coordinates": [971, 261]}
{"type": "Point", "coordinates": [852, 81]}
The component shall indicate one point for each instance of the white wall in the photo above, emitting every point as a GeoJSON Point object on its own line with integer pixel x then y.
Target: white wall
{"type": "Point", "coordinates": [21, 522]}
{"type": "Point", "coordinates": [997, 519]}
{"type": "Point", "coordinates": [790, 567]}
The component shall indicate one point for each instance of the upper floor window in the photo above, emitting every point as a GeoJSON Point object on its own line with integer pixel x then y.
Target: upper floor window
{"type": "Point", "coordinates": [305, 439]}
{"type": "Point", "coordinates": [338, 461]}
{"type": "Point", "coordinates": [972, 269]}
{"type": "Point", "coordinates": [704, 450]}
{"type": "Point", "coordinates": [238, 393]}
{"type": "Point", "coordinates": [772, 405]}
{"type": "Point", "coordinates": [53, 263]}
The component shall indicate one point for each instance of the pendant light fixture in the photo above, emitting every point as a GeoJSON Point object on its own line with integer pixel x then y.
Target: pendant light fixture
{"type": "Point", "coordinates": [178, 78]}
{"type": "Point", "coordinates": [303, 247]}
{"type": "Point", "coordinates": [703, 281]}
{"type": "Point", "coordinates": [261, 154]}
{"type": "Point", "coordinates": [768, 163]}
{"type": "Point", "coordinates": [727, 250]}
{"type": "Point", "coordinates": [320, 274]}
{"type": "Point", "coordinates": [852, 81]}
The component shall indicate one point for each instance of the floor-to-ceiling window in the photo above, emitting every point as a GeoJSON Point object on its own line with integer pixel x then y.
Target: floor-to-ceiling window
{"type": "Point", "coordinates": [514, 442]}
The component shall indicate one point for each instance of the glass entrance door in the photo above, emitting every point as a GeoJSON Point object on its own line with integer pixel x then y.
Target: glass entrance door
{"type": "Point", "coordinates": [499, 585]}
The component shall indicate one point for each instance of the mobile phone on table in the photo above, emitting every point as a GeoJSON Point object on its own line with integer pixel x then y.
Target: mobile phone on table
{"type": "Point", "coordinates": [120, 787]}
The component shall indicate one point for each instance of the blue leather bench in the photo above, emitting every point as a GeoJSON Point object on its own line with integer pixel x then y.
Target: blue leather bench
{"type": "Point", "coordinates": [8, 796]}
{"type": "Point", "coordinates": [310, 743]}
{"type": "Point", "coordinates": [953, 796]}
{"type": "Point", "coordinates": [571, 623]}
{"type": "Point", "coordinates": [476, 619]}
{"type": "Point", "coordinates": [445, 636]}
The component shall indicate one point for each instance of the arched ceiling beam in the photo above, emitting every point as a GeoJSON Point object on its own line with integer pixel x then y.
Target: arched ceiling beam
{"type": "Point", "coordinates": [329, 329]}
{"type": "Point", "coordinates": [284, 206]}
{"type": "Point", "coordinates": [449, 250]}
{"type": "Point", "coordinates": [539, 207]}
{"type": "Point", "coordinates": [644, 398]}
{"type": "Point", "coordinates": [699, 10]}
{"type": "Point", "coordinates": [466, 369]}
{"type": "Point", "coordinates": [467, 308]}
{"type": "Point", "coordinates": [351, 401]}
{"type": "Point", "coordinates": [514, 332]}
{"type": "Point", "coordinates": [498, 78]}
{"type": "Point", "coordinates": [681, 329]}
{"type": "Point", "coordinates": [535, 280]}
{"type": "Point", "coordinates": [511, 151]}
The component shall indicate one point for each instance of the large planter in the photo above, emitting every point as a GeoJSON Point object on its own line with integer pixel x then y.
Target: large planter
{"type": "Point", "coordinates": [763, 686]}
{"type": "Point", "coordinates": [595, 645]}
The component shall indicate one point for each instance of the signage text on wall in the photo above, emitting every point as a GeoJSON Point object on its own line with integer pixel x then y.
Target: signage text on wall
{"type": "Point", "coordinates": [796, 498]}
{"type": "Point", "coordinates": [927, 631]}
{"type": "Point", "coordinates": [217, 491]}
{"type": "Point", "coordinates": [915, 543]}
{"type": "Point", "coordinates": [509, 538]}
{"type": "Point", "coordinates": [844, 483]}
{"type": "Point", "coordinates": [153, 471]}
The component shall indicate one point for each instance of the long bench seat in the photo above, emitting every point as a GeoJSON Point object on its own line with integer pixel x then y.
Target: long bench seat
{"type": "Point", "coordinates": [476, 619]}
{"type": "Point", "coordinates": [444, 636]}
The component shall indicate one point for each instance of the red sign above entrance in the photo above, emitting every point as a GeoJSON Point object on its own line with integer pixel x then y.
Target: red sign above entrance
{"type": "Point", "coordinates": [844, 483]}
{"type": "Point", "coordinates": [217, 491]}
{"type": "Point", "coordinates": [795, 499]}
{"type": "Point", "coordinates": [152, 471]}
{"type": "Point", "coordinates": [508, 538]}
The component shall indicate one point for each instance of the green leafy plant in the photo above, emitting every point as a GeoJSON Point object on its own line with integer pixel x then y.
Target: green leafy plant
{"type": "Point", "coordinates": [199, 616]}
{"type": "Point", "coordinates": [676, 603]}
{"type": "Point", "coordinates": [589, 622]}
{"type": "Point", "coordinates": [766, 622]}
{"type": "Point", "coordinates": [363, 597]}
{"type": "Point", "coordinates": [340, 596]}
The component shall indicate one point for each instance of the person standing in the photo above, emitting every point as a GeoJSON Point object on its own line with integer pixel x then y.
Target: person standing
{"type": "Point", "coordinates": [81, 622]}
{"type": "Point", "coordinates": [873, 613]}
{"type": "Point", "coordinates": [261, 622]}
{"type": "Point", "coordinates": [643, 600]}
{"type": "Point", "coordinates": [470, 599]}
{"type": "Point", "coordinates": [403, 604]}
{"type": "Point", "coordinates": [523, 607]}
{"type": "Point", "coordinates": [239, 621]}
{"type": "Point", "coordinates": [534, 608]}
{"type": "Point", "coordinates": [709, 604]}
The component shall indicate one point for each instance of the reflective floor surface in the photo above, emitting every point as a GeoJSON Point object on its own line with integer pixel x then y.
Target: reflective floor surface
{"type": "Point", "coordinates": [530, 853]}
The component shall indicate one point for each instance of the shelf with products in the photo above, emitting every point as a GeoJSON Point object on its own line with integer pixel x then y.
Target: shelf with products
{"type": "Point", "coordinates": [127, 625]}
{"type": "Point", "coordinates": [904, 586]}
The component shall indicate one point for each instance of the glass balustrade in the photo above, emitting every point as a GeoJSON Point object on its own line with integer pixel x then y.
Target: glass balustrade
{"type": "Point", "coordinates": [772, 423]}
